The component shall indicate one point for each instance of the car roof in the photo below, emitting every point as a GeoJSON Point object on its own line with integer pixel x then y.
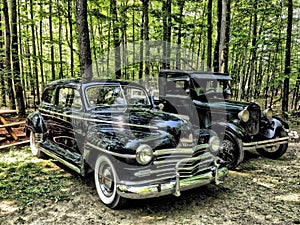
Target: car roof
{"type": "Point", "coordinates": [77, 82]}
{"type": "Point", "coordinates": [198, 74]}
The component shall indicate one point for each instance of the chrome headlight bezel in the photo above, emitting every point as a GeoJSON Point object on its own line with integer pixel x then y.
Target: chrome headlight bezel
{"type": "Point", "coordinates": [144, 154]}
{"type": "Point", "coordinates": [214, 144]}
{"type": "Point", "coordinates": [244, 115]}
{"type": "Point", "coordinates": [268, 113]}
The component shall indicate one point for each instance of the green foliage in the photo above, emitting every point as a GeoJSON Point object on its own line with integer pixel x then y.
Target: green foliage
{"type": "Point", "coordinates": [26, 179]}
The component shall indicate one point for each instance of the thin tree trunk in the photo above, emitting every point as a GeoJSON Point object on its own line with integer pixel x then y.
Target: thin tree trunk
{"type": "Point", "coordinates": [60, 39]}
{"type": "Point", "coordinates": [218, 38]}
{"type": "Point", "coordinates": [209, 35]}
{"type": "Point", "coordinates": [2, 77]}
{"type": "Point", "coordinates": [70, 7]}
{"type": "Point", "coordinates": [227, 37]}
{"type": "Point", "coordinates": [15, 60]}
{"type": "Point", "coordinates": [34, 57]}
{"type": "Point", "coordinates": [178, 51]}
{"type": "Point", "coordinates": [51, 41]}
{"type": "Point", "coordinates": [146, 38]}
{"type": "Point", "coordinates": [116, 37]}
{"type": "Point", "coordinates": [287, 69]}
{"type": "Point", "coordinates": [8, 72]}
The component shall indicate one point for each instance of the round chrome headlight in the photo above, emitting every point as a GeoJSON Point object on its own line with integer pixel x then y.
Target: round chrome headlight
{"type": "Point", "coordinates": [144, 154]}
{"type": "Point", "coordinates": [214, 144]}
{"type": "Point", "coordinates": [244, 115]}
{"type": "Point", "coordinates": [268, 113]}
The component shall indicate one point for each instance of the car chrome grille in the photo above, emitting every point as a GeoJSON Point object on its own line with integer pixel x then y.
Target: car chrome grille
{"type": "Point", "coordinates": [252, 126]}
{"type": "Point", "coordinates": [189, 161]}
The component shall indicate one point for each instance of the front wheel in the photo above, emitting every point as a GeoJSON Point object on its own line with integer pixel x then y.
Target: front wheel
{"type": "Point", "coordinates": [106, 182]}
{"type": "Point", "coordinates": [230, 152]}
{"type": "Point", "coordinates": [35, 146]}
{"type": "Point", "coordinates": [276, 151]}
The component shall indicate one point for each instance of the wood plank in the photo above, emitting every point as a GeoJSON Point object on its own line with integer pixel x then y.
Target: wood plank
{"type": "Point", "coordinates": [17, 124]}
{"type": "Point", "coordinates": [9, 130]}
{"type": "Point", "coordinates": [14, 144]}
{"type": "Point", "coordinates": [8, 111]}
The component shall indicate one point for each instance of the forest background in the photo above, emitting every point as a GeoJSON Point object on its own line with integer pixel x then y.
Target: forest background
{"type": "Point", "coordinates": [255, 41]}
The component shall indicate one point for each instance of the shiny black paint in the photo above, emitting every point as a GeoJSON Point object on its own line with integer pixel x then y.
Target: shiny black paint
{"type": "Point", "coordinates": [66, 130]}
{"type": "Point", "coordinates": [255, 128]}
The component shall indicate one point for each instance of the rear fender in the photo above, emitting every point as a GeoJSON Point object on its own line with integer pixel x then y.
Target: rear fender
{"type": "Point", "coordinates": [35, 123]}
{"type": "Point", "coordinates": [277, 124]}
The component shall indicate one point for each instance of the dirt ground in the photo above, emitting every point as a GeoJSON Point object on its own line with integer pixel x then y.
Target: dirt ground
{"type": "Point", "coordinates": [260, 191]}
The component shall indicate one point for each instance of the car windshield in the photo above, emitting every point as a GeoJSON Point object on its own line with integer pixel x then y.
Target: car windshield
{"type": "Point", "coordinates": [116, 95]}
{"type": "Point", "coordinates": [204, 86]}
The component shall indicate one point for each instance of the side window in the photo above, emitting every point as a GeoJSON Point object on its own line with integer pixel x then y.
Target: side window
{"type": "Point", "coordinates": [69, 97]}
{"type": "Point", "coordinates": [48, 95]}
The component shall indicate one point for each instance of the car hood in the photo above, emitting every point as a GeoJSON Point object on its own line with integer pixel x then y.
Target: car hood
{"type": "Point", "coordinates": [228, 105]}
{"type": "Point", "coordinates": [128, 129]}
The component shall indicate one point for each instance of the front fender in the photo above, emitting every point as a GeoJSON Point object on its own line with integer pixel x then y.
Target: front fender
{"type": "Point", "coordinates": [35, 123]}
{"type": "Point", "coordinates": [276, 123]}
{"type": "Point", "coordinates": [222, 127]}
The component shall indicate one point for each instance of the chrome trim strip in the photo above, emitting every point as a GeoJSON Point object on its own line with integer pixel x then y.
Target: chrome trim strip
{"type": "Point", "coordinates": [52, 113]}
{"type": "Point", "coordinates": [266, 143]}
{"type": "Point", "coordinates": [71, 166]}
{"type": "Point", "coordinates": [169, 187]}
{"type": "Point", "coordinates": [179, 151]}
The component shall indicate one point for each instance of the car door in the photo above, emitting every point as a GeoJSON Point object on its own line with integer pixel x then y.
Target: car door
{"type": "Point", "coordinates": [67, 123]}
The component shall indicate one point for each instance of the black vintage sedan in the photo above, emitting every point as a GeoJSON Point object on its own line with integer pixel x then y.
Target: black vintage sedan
{"type": "Point", "coordinates": [112, 129]}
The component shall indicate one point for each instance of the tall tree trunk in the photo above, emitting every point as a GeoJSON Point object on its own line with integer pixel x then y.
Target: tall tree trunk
{"type": "Point", "coordinates": [222, 35]}
{"type": "Point", "coordinates": [227, 37]}
{"type": "Point", "coordinates": [146, 39]}
{"type": "Point", "coordinates": [70, 7]}
{"type": "Point", "coordinates": [287, 69]}
{"type": "Point", "coordinates": [84, 40]}
{"type": "Point", "coordinates": [178, 50]}
{"type": "Point", "coordinates": [2, 77]}
{"type": "Point", "coordinates": [15, 59]}
{"type": "Point", "coordinates": [167, 20]}
{"type": "Point", "coordinates": [116, 37]}
{"type": "Point", "coordinates": [141, 64]}
{"type": "Point", "coordinates": [8, 72]}
{"type": "Point", "coordinates": [253, 52]}
{"type": "Point", "coordinates": [209, 35]}
{"type": "Point", "coordinates": [51, 41]}
{"type": "Point", "coordinates": [34, 57]}
{"type": "Point", "coordinates": [59, 8]}
{"type": "Point", "coordinates": [218, 38]}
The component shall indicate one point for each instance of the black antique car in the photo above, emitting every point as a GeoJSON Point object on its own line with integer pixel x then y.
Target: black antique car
{"type": "Point", "coordinates": [112, 129]}
{"type": "Point", "coordinates": [241, 125]}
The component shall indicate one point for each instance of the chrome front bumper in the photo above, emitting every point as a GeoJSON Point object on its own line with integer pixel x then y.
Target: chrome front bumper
{"type": "Point", "coordinates": [266, 143]}
{"type": "Point", "coordinates": [174, 186]}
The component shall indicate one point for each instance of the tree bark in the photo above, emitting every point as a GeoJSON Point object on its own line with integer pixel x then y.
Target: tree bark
{"type": "Point", "coordinates": [84, 41]}
{"type": "Point", "coordinates": [287, 69]}
{"type": "Point", "coordinates": [209, 35]}
{"type": "Point", "coordinates": [116, 37]}
{"type": "Point", "coordinates": [15, 60]}
{"type": "Point", "coordinates": [218, 38]}
{"type": "Point", "coordinates": [2, 77]}
{"type": "Point", "coordinates": [8, 72]}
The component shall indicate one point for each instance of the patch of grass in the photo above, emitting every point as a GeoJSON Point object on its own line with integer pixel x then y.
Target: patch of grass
{"type": "Point", "coordinates": [27, 179]}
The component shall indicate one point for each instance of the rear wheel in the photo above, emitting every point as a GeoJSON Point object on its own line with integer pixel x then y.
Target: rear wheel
{"type": "Point", "coordinates": [106, 182]}
{"type": "Point", "coordinates": [276, 151]}
{"type": "Point", "coordinates": [35, 146]}
{"type": "Point", "coordinates": [229, 152]}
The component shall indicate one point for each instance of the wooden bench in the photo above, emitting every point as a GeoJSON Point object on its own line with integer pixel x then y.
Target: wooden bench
{"type": "Point", "coordinates": [12, 125]}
